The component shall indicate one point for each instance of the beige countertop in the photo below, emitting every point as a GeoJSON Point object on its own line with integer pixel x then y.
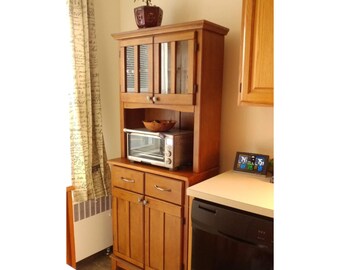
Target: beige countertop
{"type": "Point", "coordinates": [240, 190]}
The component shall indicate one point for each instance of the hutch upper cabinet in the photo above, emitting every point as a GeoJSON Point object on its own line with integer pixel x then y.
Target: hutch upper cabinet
{"type": "Point", "coordinates": [167, 72]}
{"type": "Point", "coordinates": [257, 47]}
{"type": "Point", "coordinates": [175, 72]}
{"type": "Point", "coordinates": [158, 68]}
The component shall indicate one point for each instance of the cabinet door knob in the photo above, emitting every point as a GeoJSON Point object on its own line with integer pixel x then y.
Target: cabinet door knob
{"type": "Point", "coordinates": [154, 99]}
{"type": "Point", "coordinates": [145, 202]}
{"type": "Point", "coordinates": [140, 200]}
{"type": "Point", "coordinates": [148, 98]}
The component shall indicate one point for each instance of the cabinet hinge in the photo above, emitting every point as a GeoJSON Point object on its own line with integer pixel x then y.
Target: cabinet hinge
{"type": "Point", "coordinates": [240, 87]}
{"type": "Point", "coordinates": [195, 88]}
{"type": "Point", "coordinates": [183, 221]}
{"type": "Point", "coordinates": [196, 47]}
{"type": "Point", "coordinates": [183, 266]}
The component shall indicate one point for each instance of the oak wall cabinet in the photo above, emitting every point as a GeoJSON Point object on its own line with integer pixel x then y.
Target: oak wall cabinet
{"type": "Point", "coordinates": [257, 58]}
{"type": "Point", "coordinates": [167, 72]}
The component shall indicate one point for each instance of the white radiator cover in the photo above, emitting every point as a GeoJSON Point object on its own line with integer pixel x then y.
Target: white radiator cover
{"type": "Point", "coordinates": [92, 234]}
{"type": "Point", "coordinates": [92, 226]}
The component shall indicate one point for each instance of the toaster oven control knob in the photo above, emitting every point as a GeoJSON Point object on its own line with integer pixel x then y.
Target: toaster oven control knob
{"type": "Point", "coordinates": [168, 161]}
{"type": "Point", "coordinates": [168, 153]}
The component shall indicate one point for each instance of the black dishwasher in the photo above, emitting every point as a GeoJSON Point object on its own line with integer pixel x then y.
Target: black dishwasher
{"type": "Point", "coordinates": [225, 238]}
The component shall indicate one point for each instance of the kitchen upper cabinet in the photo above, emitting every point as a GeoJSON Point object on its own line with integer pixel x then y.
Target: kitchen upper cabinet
{"type": "Point", "coordinates": [158, 68]}
{"type": "Point", "coordinates": [175, 72]}
{"type": "Point", "coordinates": [257, 47]}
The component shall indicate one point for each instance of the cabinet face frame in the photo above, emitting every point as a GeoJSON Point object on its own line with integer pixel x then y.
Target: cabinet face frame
{"type": "Point", "coordinates": [256, 56]}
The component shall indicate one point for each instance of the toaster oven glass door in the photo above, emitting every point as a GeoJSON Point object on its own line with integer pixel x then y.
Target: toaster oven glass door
{"type": "Point", "coordinates": [146, 147]}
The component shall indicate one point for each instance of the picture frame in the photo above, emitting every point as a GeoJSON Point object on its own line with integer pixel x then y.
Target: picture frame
{"type": "Point", "coordinates": [251, 163]}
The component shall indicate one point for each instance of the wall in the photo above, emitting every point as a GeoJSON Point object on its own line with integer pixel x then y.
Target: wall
{"type": "Point", "coordinates": [107, 22]}
{"type": "Point", "coordinates": [243, 128]}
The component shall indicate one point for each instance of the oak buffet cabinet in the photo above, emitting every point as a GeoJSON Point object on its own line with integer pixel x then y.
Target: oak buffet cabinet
{"type": "Point", "coordinates": [166, 72]}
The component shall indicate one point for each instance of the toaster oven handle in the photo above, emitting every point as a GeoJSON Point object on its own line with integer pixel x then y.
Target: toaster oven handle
{"type": "Point", "coordinates": [143, 132]}
{"type": "Point", "coordinates": [162, 189]}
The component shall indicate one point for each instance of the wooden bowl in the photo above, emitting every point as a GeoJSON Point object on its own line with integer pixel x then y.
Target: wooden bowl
{"type": "Point", "coordinates": [159, 125]}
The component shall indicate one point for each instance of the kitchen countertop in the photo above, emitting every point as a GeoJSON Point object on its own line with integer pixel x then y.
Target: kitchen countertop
{"type": "Point", "coordinates": [248, 192]}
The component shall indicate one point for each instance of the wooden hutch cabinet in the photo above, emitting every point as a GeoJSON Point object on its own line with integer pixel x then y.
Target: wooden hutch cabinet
{"type": "Point", "coordinates": [167, 72]}
{"type": "Point", "coordinates": [257, 48]}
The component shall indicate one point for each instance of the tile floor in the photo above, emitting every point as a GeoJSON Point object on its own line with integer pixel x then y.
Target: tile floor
{"type": "Point", "coordinates": [98, 261]}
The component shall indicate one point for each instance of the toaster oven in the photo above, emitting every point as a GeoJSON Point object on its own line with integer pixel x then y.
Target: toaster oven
{"type": "Point", "coordinates": [170, 149]}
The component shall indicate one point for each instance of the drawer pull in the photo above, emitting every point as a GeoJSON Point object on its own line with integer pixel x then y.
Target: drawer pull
{"type": "Point", "coordinates": [162, 189]}
{"type": "Point", "coordinates": [127, 180]}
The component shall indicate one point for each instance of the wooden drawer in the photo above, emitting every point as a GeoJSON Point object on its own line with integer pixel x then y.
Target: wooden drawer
{"type": "Point", "coordinates": [164, 188]}
{"type": "Point", "coordinates": [119, 264]}
{"type": "Point", "coordinates": [128, 179]}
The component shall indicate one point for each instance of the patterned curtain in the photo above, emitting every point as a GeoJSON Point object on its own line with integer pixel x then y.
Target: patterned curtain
{"type": "Point", "coordinates": [90, 171]}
